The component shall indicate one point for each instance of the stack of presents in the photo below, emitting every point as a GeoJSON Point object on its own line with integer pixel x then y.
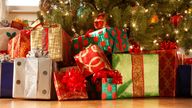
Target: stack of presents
{"type": "Point", "coordinates": [46, 63]}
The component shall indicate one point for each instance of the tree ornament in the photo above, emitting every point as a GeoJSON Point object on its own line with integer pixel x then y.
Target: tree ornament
{"type": "Point", "coordinates": [176, 19]}
{"type": "Point", "coordinates": [45, 5]}
{"type": "Point", "coordinates": [100, 21]}
{"type": "Point", "coordinates": [154, 19]}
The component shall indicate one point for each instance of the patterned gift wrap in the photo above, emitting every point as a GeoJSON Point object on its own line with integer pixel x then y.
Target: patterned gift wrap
{"type": "Point", "coordinates": [140, 75]}
{"type": "Point", "coordinates": [70, 85]}
{"type": "Point", "coordinates": [167, 72]}
{"type": "Point", "coordinates": [184, 81]}
{"type": "Point", "coordinates": [54, 40]}
{"type": "Point", "coordinates": [6, 34]}
{"type": "Point", "coordinates": [19, 45]}
{"type": "Point", "coordinates": [91, 60]}
{"type": "Point", "coordinates": [108, 39]}
{"type": "Point", "coordinates": [6, 79]}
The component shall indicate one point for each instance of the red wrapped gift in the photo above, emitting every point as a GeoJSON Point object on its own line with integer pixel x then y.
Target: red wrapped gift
{"type": "Point", "coordinates": [187, 60]}
{"type": "Point", "coordinates": [70, 84]}
{"type": "Point", "coordinates": [19, 45]}
{"type": "Point", "coordinates": [91, 60]}
{"type": "Point", "coordinates": [167, 72]}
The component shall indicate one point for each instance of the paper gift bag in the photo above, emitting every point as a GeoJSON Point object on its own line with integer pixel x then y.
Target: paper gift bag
{"type": "Point", "coordinates": [32, 78]}
{"type": "Point", "coordinates": [140, 75]}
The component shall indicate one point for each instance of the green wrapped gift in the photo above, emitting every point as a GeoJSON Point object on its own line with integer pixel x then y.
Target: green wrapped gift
{"type": "Point", "coordinates": [140, 75]}
{"type": "Point", "coordinates": [108, 39]}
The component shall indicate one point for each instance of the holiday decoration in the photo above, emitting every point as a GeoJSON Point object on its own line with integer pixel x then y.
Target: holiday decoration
{"type": "Point", "coordinates": [19, 45]}
{"type": "Point", "coordinates": [140, 75]}
{"type": "Point", "coordinates": [184, 81]}
{"type": "Point", "coordinates": [100, 21]}
{"type": "Point", "coordinates": [6, 34]}
{"type": "Point", "coordinates": [176, 20]}
{"type": "Point", "coordinates": [19, 24]}
{"type": "Point", "coordinates": [6, 78]}
{"type": "Point", "coordinates": [154, 19]}
{"type": "Point", "coordinates": [70, 84]}
{"type": "Point", "coordinates": [32, 78]}
{"type": "Point", "coordinates": [91, 60]}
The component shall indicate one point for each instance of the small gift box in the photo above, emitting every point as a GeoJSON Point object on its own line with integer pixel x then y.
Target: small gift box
{"type": "Point", "coordinates": [184, 81]}
{"type": "Point", "coordinates": [140, 74]}
{"type": "Point", "coordinates": [19, 45]}
{"type": "Point", "coordinates": [70, 84]}
{"type": "Point", "coordinates": [91, 60]}
{"type": "Point", "coordinates": [6, 79]}
{"type": "Point", "coordinates": [32, 78]}
{"type": "Point", "coordinates": [6, 33]}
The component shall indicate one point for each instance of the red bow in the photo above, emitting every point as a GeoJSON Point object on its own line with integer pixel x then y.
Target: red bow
{"type": "Point", "coordinates": [167, 45]}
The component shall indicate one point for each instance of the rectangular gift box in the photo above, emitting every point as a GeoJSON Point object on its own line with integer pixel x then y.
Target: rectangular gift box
{"type": "Point", "coordinates": [6, 33]}
{"type": "Point", "coordinates": [6, 79]}
{"type": "Point", "coordinates": [32, 78]}
{"type": "Point", "coordinates": [168, 63]}
{"type": "Point", "coordinates": [140, 74]}
{"type": "Point", "coordinates": [64, 93]}
{"type": "Point", "coordinates": [184, 81]}
{"type": "Point", "coordinates": [108, 39]}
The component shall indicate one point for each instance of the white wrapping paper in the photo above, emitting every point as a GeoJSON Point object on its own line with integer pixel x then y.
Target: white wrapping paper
{"type": "Point", "coordinates": [32, 78]}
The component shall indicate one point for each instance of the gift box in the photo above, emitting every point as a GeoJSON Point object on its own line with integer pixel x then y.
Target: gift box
{"type": "Point", "coordinates": [108, 39]}
{"type": "Point", "coordinates": [184, 81]}
{"type": "Point", "coordinates": [6, 33]}
{"type": "Point", "coordinates": [32, 78]}
{"type": "Point", "coordinates": [19, 45]}
{"type": "Point", "coordinates": [70, 84]}
{"type": "Point", "coordinates": [140, 74]}
{"type": "Point", "coordinates": [91, 60]}
{"type": "Point", "coordinates": [6, 79]}
{"type": "Point", "coordinates": [54, 40]}
{"type": "Point", "coordinates": [167, 72]}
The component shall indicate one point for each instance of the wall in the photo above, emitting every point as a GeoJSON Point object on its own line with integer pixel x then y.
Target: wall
{"type": "Point", "coordinates": [25, 16]}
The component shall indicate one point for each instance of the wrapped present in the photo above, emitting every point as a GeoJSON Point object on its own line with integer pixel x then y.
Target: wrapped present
{"type": "Point", "coordinates": [6, 33]}
{"type": "Point", "coordinates": [54, 40]}
{"type": "Point", "coordinates": [187, 60]}
{"type": "Point", "coordinates": [19, 24]}
{"type": "Point", "coordinates": [6, 79]}
{"type": "Point", "coordinates": [103, 84]}
{"type": "Point", "coordinates": [108, 39]}
{"type": "Point", "coordinates": [91, 60]}
{"type": "Point", "coordinates": [140, 74]}
{"type": "Point", "coordinates": [32, 78]}
{"type": "Point", "coordinates": [167, 72]}
{"type": "Point", "coordinates": [70, 84]}
{"type": "Point", "coordinates": [184, 81]}
{"type": "Point", "coordinates": [19, 45]}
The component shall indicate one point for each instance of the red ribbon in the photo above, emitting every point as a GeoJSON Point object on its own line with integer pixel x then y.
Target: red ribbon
{"type": "Point", "coordinates": [117, 78]}
{"type": "Point", "coordinates": [167, 45]}
{"type": "Point", "coordinates": [74, 81]}
{"type": "Point", "coordinates": [3, 52]}
{"type": "Point", "coordinates": [135, 48]}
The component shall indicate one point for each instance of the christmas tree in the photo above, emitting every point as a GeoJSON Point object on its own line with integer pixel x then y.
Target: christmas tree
{"type": "Point", "coordinates": [150, 23]}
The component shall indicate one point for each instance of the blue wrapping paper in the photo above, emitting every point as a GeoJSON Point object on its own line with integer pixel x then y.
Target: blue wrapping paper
{"type": "Point", "coordinates": [6, 79]}
{"type": "Point", "coordinates": [183, 81]}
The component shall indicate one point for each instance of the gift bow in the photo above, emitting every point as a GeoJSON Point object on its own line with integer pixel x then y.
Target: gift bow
{"type": "Point", "coordinates": [37, 53]}
{"type": "Point", "coordinates": [167, 45]}
{"type": "Point", "coordinates": [105, 73]}
{"type": "Point", "coordinates": [74, 81]}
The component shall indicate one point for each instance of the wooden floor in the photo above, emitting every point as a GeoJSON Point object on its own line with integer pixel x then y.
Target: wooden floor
{"type": "Point", "coordinates": [128, 103]}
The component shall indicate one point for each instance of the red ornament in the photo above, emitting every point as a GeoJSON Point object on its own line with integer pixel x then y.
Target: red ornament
{"type": "Point", "coordinates": [100, 21]}
{"type": "Point", "coordinates": [176, 19]}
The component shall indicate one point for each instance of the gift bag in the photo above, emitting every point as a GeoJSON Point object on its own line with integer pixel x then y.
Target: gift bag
{"type": "Point", "coordinates": [19, 45]}
{"type": "Point", "coordinates": [140, 74]}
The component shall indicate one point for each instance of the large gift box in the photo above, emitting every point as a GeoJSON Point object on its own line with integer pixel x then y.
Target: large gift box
{"type": "Point", "coordinates": [108, 39]}
{"type": "Point", "coordinates": [54, 40]}
{"type": "Point", "coordinates": [92, 59]}
{"type": "Point", "coordinates": [168, 61]}
{"type": "Point", "coordinates": [140, 74]}
{"type": "Point", "coordinates": [19, 45]}
{"type": "Point", "coordinates": [184, 81]}
{"type": "Point", "coordinates": [32, 78]}
{"type": "Point", "coordinates": [6, 34]}
{"type": "Point", "coordinates": [70, 84]}
{"type": "Point", "coordinates": [6, 79]}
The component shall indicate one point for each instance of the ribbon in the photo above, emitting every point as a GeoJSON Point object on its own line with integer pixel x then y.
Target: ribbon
{"type": "Point", "coordinates": [167, 45]}
{"type": "Point", "coordinates": [37, 53]}
{"type": "Point", "coordinates": [74, 81]}
{"type": "Point", "coordinates": [105, 73]}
